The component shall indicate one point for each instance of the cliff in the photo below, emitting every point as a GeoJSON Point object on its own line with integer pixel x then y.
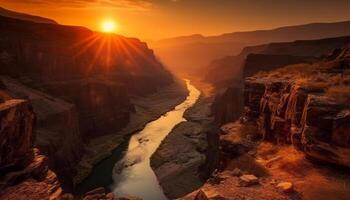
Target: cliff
{"type": "Point", "coordinates": [229, 74]}
{"type": "Point", "coordinates": [51, 114]}
{"type": "Point", "coordinates": [24, 172]}
{"type": "Point", "coordinates": [305, 105]}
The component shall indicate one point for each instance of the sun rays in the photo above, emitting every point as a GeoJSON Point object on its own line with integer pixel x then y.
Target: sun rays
{"type": "Point", "coordinates": [111, 51]}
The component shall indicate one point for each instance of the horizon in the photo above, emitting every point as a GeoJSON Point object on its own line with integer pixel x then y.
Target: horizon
{"type": "Point", "coordinates": [189, 17]}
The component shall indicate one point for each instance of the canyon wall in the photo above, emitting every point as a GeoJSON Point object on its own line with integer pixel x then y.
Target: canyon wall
{"type": "Point", "coordinates": [80, 84]}
{"type": "Point", "coordinates": [260, 59]}
{"type": "Point", "coordinates": [24, 171]}
{"type": "Point", "coordinates": [308, 114]}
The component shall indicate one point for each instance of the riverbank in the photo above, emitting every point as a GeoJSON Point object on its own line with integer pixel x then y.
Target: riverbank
{"type": "Point", "coordinates": [147, 109]}
{"type": "Point", "coordinates": [181, 163]}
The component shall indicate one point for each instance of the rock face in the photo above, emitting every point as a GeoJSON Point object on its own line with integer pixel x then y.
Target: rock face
{"type": "Point", "coordinates": [303, 114]}
{"type": "Point", "coordinates": [24, 172]}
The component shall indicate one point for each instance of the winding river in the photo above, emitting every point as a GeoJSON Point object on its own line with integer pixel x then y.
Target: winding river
{"type": "Point", "coordinates": [130, 172]}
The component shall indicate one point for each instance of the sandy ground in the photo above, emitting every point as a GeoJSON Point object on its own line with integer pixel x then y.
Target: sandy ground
{"type": "Point", "coordinates": [274, 164]}
{"type": "Point", "coordinates": [148, 109]}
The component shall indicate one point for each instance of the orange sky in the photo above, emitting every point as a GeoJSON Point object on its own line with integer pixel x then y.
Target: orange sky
{"type": "Point", "coordinates": [157, 19]}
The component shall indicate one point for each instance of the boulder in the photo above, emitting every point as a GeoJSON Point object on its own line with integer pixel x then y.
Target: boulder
{"type": "Point", "coordinates": [248, 180]}
{"type": "Point", "coordinates": [285, 187]}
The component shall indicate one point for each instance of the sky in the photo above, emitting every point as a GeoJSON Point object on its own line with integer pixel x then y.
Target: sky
{"type": "Point", "coordinates": [158, 19]}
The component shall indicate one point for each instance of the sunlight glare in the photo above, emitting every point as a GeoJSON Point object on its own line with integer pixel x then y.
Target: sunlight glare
{"type": "Point", "coordinates": [108, 26]}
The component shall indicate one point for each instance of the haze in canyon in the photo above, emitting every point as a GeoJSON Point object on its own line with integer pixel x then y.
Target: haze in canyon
{"type": "Point", "coordinates": [174, 99]}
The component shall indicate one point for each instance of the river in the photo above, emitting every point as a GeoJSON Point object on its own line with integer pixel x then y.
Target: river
{"type": "Point", "coordinates": [128, 173]}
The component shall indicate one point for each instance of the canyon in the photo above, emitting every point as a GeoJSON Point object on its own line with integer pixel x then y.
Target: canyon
{"type": "Point", "coordinates": [87, 99]}
{"type": "Point", "coordinates": [96, 116]}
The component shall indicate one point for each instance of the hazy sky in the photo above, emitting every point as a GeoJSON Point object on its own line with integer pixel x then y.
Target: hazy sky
{"type": "Point", "coordinates": [156, 19]}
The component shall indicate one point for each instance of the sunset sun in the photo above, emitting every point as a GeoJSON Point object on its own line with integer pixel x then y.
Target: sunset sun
{"type": "Point", "coordinates": [108, 26]}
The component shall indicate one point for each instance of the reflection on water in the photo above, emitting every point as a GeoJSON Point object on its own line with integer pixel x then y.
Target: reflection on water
{"type": "Point", "coordinates": [133, 175]}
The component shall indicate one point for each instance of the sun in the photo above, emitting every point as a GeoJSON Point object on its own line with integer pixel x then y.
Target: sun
{"type": "Point", "coordinates": [108, 26]}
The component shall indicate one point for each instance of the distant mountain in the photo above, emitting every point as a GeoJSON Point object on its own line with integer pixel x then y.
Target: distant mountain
{"type": "Point", "coordinates": [191, 53]}
{"type": "Point", "coordinates": [17, 15]}
{"type": "Point", "coordinates": [252, 59]}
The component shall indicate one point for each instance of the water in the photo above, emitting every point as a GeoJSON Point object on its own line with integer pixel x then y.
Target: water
{"type": "Point", "coordinates": [132, 174]}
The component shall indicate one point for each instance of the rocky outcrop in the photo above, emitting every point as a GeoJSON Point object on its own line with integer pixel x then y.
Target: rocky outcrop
{"type": "Point", "coordinates": [24, 172]}
{"type": "Point", "coordinates": [302, 114]}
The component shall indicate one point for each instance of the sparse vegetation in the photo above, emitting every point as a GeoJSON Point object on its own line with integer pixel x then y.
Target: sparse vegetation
{"type": "Point", "coordinates": [319, 77]}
